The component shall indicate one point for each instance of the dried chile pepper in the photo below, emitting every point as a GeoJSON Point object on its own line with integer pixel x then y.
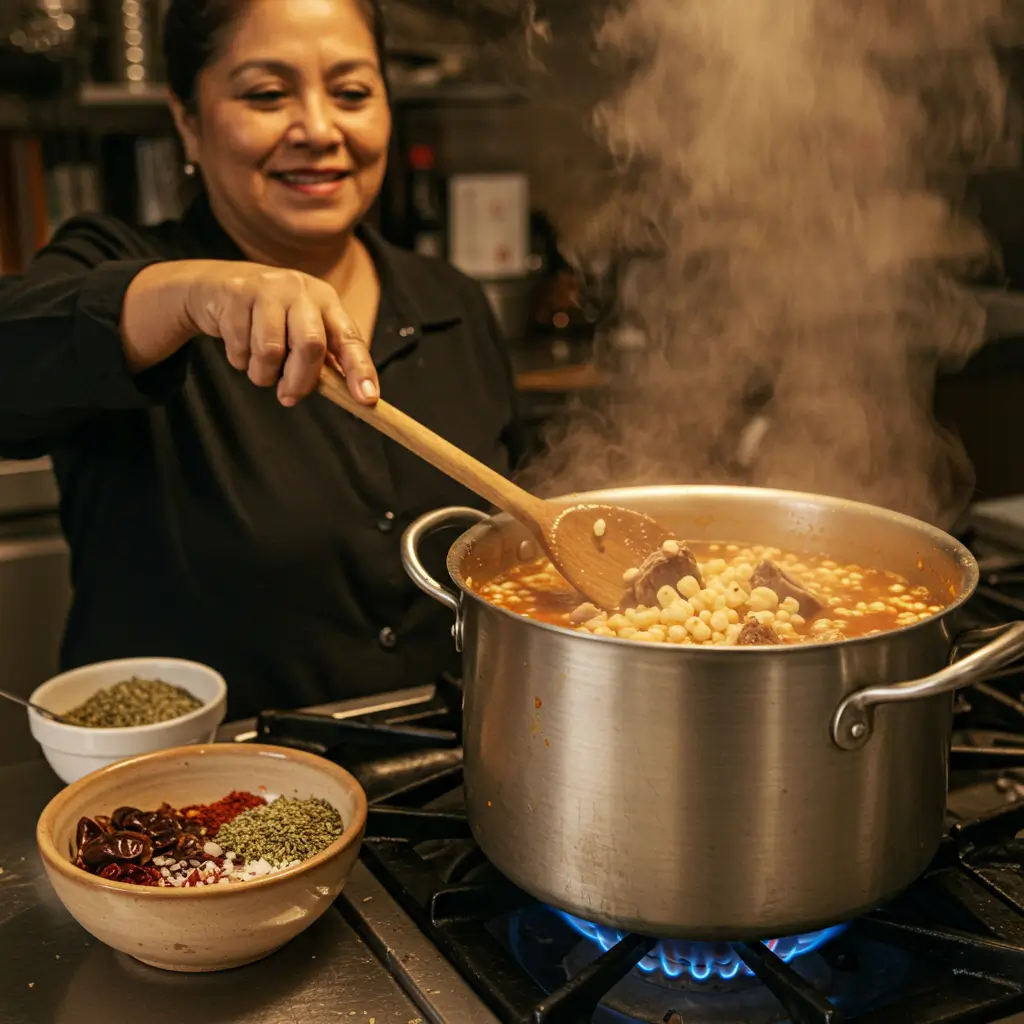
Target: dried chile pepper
{"type": "Point", "coordinates": [165, 835]}
{"type": "Point", "coordinates": [131, 873]}
{"type": "Point", "coordinates": [119, 819]}
{"type": "Point", "coordinates": [87, 829]}
{"type": "Point", "coordinates": [121, 846]}
{"type": "Point", "coordinates": [190, 847]}
{"type": "Point", "coordinates": [116, 846]}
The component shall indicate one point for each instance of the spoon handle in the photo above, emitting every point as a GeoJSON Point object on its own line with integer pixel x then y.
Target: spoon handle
{"type": "Point", "coordinates": [34, 707]}
{"type": "Point", "coordinates": [441, 454]}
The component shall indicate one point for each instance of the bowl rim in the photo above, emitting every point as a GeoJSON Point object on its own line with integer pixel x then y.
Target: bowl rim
{"type": "Point", "coordinates": [122, 730]}
{"type": "Point", "coordinates": [53, 859]}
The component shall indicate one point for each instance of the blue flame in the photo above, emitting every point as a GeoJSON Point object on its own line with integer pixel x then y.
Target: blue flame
{"type": "Point", "coordinates": [702, 960]}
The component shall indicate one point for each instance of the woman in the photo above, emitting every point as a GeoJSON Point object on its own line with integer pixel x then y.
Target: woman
{"type": "Point", "coordinates": [213, 510]}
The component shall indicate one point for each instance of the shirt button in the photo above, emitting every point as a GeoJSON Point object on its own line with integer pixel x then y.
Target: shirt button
{"type": "Point", "coordinates": [386, 523]}
{"type": "Point", "coordinates": [387, 638]}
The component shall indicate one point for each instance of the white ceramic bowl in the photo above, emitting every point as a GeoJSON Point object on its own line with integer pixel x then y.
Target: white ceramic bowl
{"type": "Point", "coordinates": [74, 751]}
{"type": "Point", "coordinates": [208, 928]}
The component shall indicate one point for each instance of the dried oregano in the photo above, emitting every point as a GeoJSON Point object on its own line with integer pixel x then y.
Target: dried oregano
{"type": "Point", "coordinates": [133, 702]}
{"type": "Point", "coordinates": [284, 831]}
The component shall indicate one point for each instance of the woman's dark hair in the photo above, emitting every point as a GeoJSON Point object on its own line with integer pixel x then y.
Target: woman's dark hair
{"type": "Point", "coordinates": [194, 31]}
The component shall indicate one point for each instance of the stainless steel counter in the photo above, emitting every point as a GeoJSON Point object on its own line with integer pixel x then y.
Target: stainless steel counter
{"type": "Point", "coordinates": [35, 592]}
{"type": "Point", "coordinates": [364, 961]}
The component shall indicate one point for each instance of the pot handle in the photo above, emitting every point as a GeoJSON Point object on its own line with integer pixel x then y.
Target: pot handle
{"type": "Point", "coordinates": [853, 722]}
{"type": "Point", "coordinates": [427, 524]}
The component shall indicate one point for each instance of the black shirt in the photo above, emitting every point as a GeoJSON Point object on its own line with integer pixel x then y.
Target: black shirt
{"type": "Point", "coordinates": [208, 522]}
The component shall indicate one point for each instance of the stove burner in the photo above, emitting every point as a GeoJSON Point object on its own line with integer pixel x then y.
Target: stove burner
{"type": "Point", "coordinates": [700, 960]}
{"type": "Point", "coordinates": [642, 996]}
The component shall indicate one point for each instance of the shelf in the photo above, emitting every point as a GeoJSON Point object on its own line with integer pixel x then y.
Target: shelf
{"type": "Point", "coordinates": [451, 93]}
{"type": "Point", "coordinates": [95, 96]}
{"type": "Point", "coordinates": [15, 113]}
{"type": "Point", "coordinates": [119, 108]}
{"type": "Point", "coordinates": [561, 379]}
{"type": "Point", "coordinates": [101, 111]}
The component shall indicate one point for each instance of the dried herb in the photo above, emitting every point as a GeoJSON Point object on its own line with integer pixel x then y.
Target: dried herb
{"type": "Point", "coordinates": [131, 703]}
{"type": "Point", "coordinates": [286, 830]}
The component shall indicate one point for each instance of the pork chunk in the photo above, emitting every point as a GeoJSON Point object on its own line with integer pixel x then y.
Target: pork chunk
{"type": "Point", "coordinates": [754, 634]}
{"type": "Point", "coordinates": [768, 574]}
{"type": "Point", "coordinates": [664, 570]}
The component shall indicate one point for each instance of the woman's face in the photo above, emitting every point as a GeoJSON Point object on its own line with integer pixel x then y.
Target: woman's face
{"type": "Point", "coordinates": [292, 122]}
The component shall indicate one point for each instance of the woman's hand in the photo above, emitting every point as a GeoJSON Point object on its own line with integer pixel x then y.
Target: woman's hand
{"type": "Point", "coordinates": [279, 326]}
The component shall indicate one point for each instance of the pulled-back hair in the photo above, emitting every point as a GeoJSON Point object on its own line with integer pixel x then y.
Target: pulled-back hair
{"type": "Point", "coordinates": [194, 31]}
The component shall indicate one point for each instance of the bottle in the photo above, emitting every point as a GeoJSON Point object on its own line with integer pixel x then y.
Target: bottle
{"type": "Point", "coordinates": [425, 203]}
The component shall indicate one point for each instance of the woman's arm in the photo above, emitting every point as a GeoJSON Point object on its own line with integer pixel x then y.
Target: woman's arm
{"type": "Point", "coordinates": [96, 324]}
{"type": "Point", "coordinates": [61, 355]}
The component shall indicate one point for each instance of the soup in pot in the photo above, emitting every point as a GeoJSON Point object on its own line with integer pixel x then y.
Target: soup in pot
{"type": "Point", "coordinates": [726, 595]}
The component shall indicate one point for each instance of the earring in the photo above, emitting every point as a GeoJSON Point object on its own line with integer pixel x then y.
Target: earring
{"type": "Point", "coordinates": [190, 169]}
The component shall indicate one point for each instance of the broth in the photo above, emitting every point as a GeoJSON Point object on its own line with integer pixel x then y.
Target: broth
{"type": "Point", "coordinates": [738, 595]}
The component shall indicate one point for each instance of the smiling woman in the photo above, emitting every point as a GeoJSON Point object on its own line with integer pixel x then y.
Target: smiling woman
{"type": "Point", "coordinates": [254, 528]}
{"type": "Point", "coordinates": [288, 118]}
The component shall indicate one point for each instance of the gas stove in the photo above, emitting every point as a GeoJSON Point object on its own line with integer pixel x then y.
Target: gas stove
{"type": "Point", "coordinates": [950, 950]}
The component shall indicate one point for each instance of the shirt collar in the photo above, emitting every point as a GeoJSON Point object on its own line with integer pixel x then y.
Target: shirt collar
{"type": "Point", "coordinates": [412, 291]}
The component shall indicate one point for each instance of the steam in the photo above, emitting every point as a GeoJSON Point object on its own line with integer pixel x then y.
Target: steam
{"type": "Point", "coordinates": [775, 166]}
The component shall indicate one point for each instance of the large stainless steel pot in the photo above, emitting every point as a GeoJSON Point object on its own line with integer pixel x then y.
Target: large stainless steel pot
{"type": "Point", "coordinates": [712, 793]}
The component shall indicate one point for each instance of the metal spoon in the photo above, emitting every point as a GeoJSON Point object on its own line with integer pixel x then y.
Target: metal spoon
{"type": "Point", "coordinates": [592, 546]}
{"type": "Point", "coordinates": [52, 715]}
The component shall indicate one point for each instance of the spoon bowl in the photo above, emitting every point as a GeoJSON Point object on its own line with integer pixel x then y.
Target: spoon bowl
{"type": "Point", "coordinates": [592, 546]}
{"type": "Point", "coordinates": [597, 544]}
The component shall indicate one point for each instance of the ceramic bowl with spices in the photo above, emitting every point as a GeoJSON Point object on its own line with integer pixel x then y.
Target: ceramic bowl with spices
{"type": "Point", "coordinates": [123, 708]}
{"type": "Point", "coordinates": [134, 851]}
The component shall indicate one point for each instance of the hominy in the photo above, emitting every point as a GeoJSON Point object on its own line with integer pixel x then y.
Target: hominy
{"type": "Point", "coordinates": [826, 601]}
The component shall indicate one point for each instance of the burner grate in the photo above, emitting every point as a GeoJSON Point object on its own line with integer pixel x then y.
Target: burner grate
{"type": "Point", "coordinates": [803, 1003]}
{"type": "Point", "coordinates": [983, 974]}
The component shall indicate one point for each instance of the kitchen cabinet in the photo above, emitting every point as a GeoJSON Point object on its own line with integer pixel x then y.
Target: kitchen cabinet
{"type": "Point", "coordinates": [35, 593]}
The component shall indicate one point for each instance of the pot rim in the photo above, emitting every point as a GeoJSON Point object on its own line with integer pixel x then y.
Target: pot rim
{"type": "Point", "coordinates": [943, 541]}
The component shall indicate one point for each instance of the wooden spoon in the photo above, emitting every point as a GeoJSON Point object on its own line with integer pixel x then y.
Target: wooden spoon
{"type": "Point", "coordinates": [592, 546]}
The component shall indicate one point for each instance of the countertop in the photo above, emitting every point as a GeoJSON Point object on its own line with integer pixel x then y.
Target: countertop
{"type": "Point", "coordinates": [53, 972]}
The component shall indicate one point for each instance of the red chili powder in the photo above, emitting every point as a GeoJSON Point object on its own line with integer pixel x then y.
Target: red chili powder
{"type": "Point", "coordinates": [212, 816]}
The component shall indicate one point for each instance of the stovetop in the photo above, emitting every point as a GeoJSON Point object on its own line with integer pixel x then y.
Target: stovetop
{"type": "Point", "coordinates": [949, 951]}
